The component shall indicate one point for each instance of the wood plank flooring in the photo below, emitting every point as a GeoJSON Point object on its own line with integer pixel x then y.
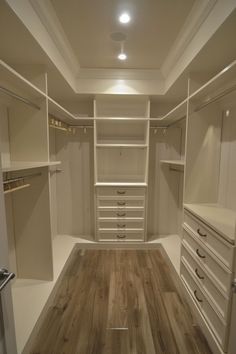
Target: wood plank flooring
{"type": "Point", "coordinates": [118, 302]}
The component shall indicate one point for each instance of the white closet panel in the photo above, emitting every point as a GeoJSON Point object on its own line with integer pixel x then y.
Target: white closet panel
{"type": "Point", "coordinates": [227, 184]}
{"type": "Point", "coordinates": [75, 193]}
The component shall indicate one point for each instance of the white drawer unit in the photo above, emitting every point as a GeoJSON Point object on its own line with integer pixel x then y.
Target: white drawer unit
{"type": "Point", "coordinates": [207, 269]}
{"type": "Point", "coordinates": [211, 239]}
{"type": "Point", "coordinates": [118, 236]}
{"type": "Point", "coordinates": [120, 213]}
{"type": "Point", "coordinates": [216, 323]}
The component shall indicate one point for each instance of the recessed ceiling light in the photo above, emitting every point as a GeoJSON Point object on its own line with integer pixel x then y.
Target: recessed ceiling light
{"type": "Point", "coordinates": [122, 56]}
{"type": "Point", "coordinates": [124, 18]}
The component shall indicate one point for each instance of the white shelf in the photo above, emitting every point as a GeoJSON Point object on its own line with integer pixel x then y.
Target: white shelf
{"type": "Point", "coordinates": [12, 80]}
{"type": "Point", "coordinates": [173, 162]}
{"type": "Point", "coordinates": [215, 85]}
{"type": "Point", "coordinates": [177, 113]}
{"type": "Point", "coordinates": [142, 146]}
{"type": "Point", "coordinates": [220, 219]}
{"type": "Point", "coordinates": [56, 110]}
{"type": "Point", "coordinates": [37, 292]}
{"type": "Point", "coordinates": [117, 184]}
{"type": "Point", "coordinates": [19, 165]}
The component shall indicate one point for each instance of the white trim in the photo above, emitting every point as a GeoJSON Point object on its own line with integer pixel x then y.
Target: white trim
{"type": "Point", "coordinates": [195, 19]}
{"type": "Point", "coordinates": [49, 19]}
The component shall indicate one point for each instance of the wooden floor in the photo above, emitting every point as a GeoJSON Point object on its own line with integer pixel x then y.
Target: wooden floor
{"type": "Point", "coordinates": [118, 302]}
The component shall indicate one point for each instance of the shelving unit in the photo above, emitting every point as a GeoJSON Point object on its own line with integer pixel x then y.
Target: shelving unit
{"type": "Point", "coordinates": [121, 147]}
{"type": "Point", "coordinates": [173, 162]}
{"type": "Point", "coordinates": [18, 166]}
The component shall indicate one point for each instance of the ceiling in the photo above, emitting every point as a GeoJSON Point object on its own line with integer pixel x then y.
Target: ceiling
{"type": "Point", "coordinates": [153, 28]}
{"type": "Point", "coordinates": [21, 48]}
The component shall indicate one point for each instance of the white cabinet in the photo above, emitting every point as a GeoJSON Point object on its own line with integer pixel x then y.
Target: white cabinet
{"type": "Point", "coordinates": [209, 229]}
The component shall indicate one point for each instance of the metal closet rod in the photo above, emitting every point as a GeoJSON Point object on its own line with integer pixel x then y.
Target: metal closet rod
{"type": "Point", "coordinates": [16, 179]}
{"type": "Point", "coordinates": [18, 97]}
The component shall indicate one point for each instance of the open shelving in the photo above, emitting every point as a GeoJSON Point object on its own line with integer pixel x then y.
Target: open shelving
{"type": "Point", "coordinates": [18, 166]}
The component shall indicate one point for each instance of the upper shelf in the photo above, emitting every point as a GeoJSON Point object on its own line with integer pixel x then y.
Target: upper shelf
{"type": "Point", "coordinates": [173, 162]}
{"type": "Point", "coordinates": [13, 81]}
{"type": "Point", "coordinates": [221, 83]}
{"type": "Point", "coordinates": [56, 110]}
{"type": "Point", "coordinates": [171, 117]}
{"type": "Point", "coordinates": [20, 165]}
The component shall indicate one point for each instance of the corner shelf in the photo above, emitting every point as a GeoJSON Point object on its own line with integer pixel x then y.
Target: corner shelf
{"type": "Point", "coordinates": [176, 114]}
{"type": "Point", "coordinates": [19, 165]}
{"type": "Point", "coordinates": [57, 111]}
{"type": "Point", "coordinates": [174, 162]}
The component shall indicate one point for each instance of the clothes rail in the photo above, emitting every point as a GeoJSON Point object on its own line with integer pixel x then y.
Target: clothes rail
{"type": "Point", "coordinates": [18, 97]}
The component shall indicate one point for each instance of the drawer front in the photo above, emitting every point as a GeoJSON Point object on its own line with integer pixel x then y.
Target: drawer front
{"type": "Point", "coordinates": [218, 271]}
{"type": "Point", "coordinates": [218, 300]}
{"type": "Point", "coordinates": [118, 214]}
{"type": "Point", "coordinates": [221, 248]}
{"type": "Point", "coordinates": [216, 324]}
{"type": "Point", "coordinates": [121, 224]}
{"type": "Point", "coordinates": [121, 236]}
{"type": "Point", "coordinates": [120, 203]}
{"type": "Point", "coordinates": [120, 191]}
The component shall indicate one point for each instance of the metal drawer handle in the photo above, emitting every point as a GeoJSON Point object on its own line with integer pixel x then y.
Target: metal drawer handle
{"type": "Point", "coordinates": [121, 226]}
{"type": "Point", "coordinates": [198, 275]}
{"type": "Point", "coordinates": [5, 277]}
{"type": "Point", "coordinates": [121, 236]}
{"type": "Point", "coordinates": [121, 192]}
{"type": "Point", "coordinates": [199, 254]}
{"type": "Point", "coordinates": [200, 234]}
{"type": "Point", "coordinates": [195, 294]}
{"type": "Point", "coordinates": [120, 215]}
{"type": "Point", "coordinates": [121, 203]}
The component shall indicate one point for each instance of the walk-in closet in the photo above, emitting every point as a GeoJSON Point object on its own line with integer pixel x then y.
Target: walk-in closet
{"type": "Point", "coordinates": [117, 177]}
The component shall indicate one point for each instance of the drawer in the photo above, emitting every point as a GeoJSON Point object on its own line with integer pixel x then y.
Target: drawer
{"type": "Point", "coordinates": [211, 239]}
{"type": "Point", "coordinates": [218, 300]}
{"type": "Point", "coordinates": [120, 191]}
{"type": "Point", "coordinates": [208, 261]}
{"type": "Point", "coordinates": [120, 202]}
{"type": "Point", "coordinates": [121, 224]}
{"type": "Point", "coordinates": [217, 325]}
{"type": "Point", "coordinates": [120, 214]}
{"type": "Point", "coordinates": [121, 236]}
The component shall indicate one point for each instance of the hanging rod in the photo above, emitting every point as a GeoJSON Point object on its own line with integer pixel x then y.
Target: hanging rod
{"type": "Point", "coordinates": [176, 169]}
{"type": "Point", "coordinates": [18, 97]}
{"type": "Point", "coordinates": [20, 178]}
{"type": "Point", "coordinates": [82, 126]}
{"type": "Point", "coordinates": [151, 127]}
{"type": "Point", "coordinates": [215, 98]}
{"type": "Point", "coordinates": [11, 190]}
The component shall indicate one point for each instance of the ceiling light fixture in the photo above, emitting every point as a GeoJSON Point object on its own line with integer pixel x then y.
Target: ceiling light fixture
{"type": "Point", "coordinates": [124, 18]}
{"type": "Point", "coordinates": [122, 56]}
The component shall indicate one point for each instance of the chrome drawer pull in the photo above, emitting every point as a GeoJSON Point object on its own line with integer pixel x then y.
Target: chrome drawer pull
{"type": "Point", "coordinates": [121, 192]}
{"type": "Point", "coordinates": [199, 254]}
{"type": "Point", "coordinates": [200, 234]}
{"type": "Point", "coordinates": [120, 215]}
{"type": "Point", "coordinates": [121, 226]}
{"type": "Point", "coordinates": [195, 294]}
{"type": "Point", "coordinates": [121, 203]}
{"type": "Point", "coordinates": [121, 236]}
{"type": "Point", "coordinates": [198, 275]}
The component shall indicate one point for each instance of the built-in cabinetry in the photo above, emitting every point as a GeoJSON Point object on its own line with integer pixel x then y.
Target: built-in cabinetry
{"type": "Point", "coordinates": [122, 176]}
{"type": "Point", "coordinates": [209, 229]}
{"type": "Point", "coordinates": [121, 147]}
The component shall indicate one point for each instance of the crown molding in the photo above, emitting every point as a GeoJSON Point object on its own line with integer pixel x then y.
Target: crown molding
{"type": "Point", "coordinates": [195, 19]}
{"type": "Point", "coordinates": [121, 74]}
{"type": "Point", "coordinates": [50, 21]}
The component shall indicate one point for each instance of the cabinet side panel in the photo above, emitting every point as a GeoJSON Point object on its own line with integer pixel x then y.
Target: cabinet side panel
{"type": "Point", "coordinates": [203, 156]}
{"type": "Point", "coordinates": [28, 129]}
{"type": "Point", "coordinates": [75, 191]}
